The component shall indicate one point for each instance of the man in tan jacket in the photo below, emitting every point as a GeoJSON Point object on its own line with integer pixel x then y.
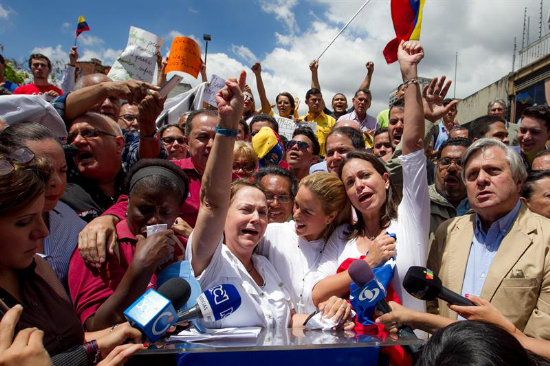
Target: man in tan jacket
{"type": "Point", "coordinates": [502, 252]}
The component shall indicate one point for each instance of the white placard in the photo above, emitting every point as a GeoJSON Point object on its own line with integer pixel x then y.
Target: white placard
{"type": "Point", "coordinates": [138, 61]}
{"type": "Point", "coordinates": [214, 85]}
{"type": "Point", "coordinates": [287, 126]}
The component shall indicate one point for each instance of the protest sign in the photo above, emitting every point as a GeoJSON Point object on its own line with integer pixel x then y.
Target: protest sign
{"type": "Point", "coordinates": [185, 56]}
{"type": "Point", "coordinates": [215, 84]}
{"type": "Point", "coordinates": [287, 126]}
{"type": "Point", "coordinates": [138, 61]}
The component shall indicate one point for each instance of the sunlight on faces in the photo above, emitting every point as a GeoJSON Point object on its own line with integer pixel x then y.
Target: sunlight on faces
{"type": "Point", "coordinates": [315, 103]}
{"type": "Point", "coordinates": [532, 135]}
{"type": "Point", "coordinates": [361, 103]}
{"type": "Point", "coordinates": [284, 106]}
{"type": "Point", "coordinates": [98, 157]}
{"type": "Point", "coordinates": [338, 146]}
{"type": "Point", "coordinates": [365, 187]}
{"type": "Point", "coordinates": [201, 139]}
{"type": "Point", "coordinates": [176, 150]}
{"type": "Point", "coordinates": [39, 68]}
{"type": "Point", "coordinates": [22, 234]}
{"type": "Point", "coordinates": [491, 188]}
{"type": "Point", "coordinates": [55, 187]}
{"type": "Point", "coordinates": [276, 185]}
{"type": "Point", "coordinates": [246, 220]}
{"type": "Point", "coordinates": [128, 117]}
{"type": "Point", "coordinates": [297, 158]}
{"type": "Point", "coordinates": [339, 103]}
{"type": "Point", "coordinates": [310, 220]}
{"type": "Point", "coordinates": [149, 206]}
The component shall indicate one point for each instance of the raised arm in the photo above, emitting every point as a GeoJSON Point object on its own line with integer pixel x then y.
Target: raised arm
{"type": "Point", "coordinates": [409, 55]}
{"type": "Point", "coordinates": [314, 67]}
{"type": "Point", "coordinates": [365, 84]}
{"type": "Point", "coordinates": [216, 181]}
{"type": "Point", "coordinates": [257, 70]}
{"type": "Point", "coordinates": [82, 100]}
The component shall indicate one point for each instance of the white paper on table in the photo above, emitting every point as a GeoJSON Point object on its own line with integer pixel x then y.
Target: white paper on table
{"type": "Point", "coordinates": [192, 335]}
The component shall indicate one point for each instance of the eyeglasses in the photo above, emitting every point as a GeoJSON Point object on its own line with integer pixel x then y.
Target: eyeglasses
{"type": "Point", "coordinates": [247, 168]}
{"type": "Point", "coordinates": [19, 156]}
{"type": "Point", "coordinates": [87, 133]}
{"type": "Point", "coordinates": [170, 140]}
{"type": "Point", "coordinates": [302, 145]}
{"type": "Point", "coordinates": [248, 97]}
{"type": "Point", "coordinates": [281, 198]}
{"type": "Point", "coordinates": [129, 117]}
{"type": "Point", "coordinates": [446, 162]}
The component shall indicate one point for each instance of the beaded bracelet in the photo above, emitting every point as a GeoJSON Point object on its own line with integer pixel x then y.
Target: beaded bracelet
{"type": "Point", "coordinates": [93, 352]}
{"type": "Point", "coordinates": [226, 132]}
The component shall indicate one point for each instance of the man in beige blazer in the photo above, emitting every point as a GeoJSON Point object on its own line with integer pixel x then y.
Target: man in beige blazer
{"type": "Point", "coordinates": [503, 250]}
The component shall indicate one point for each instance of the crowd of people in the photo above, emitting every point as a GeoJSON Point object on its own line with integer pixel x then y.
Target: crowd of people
{"type": "Point", "coordinates": [85, 169]}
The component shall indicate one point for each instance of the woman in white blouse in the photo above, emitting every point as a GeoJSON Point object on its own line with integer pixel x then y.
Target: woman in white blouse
{"type": "Point", "coordinates": [377, 206]}
{"type": "Point", "coordinates": [239, 211]}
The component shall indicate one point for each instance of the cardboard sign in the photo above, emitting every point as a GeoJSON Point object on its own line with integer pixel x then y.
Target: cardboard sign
{"type": "Point", "coordinates": [287, 126]}
{"type": "Point", "coordinates": [138, 61]}
{"type": "Point", "coordinates": [185, 56]}
{"type": "Point", "coordinates": [215, 84]}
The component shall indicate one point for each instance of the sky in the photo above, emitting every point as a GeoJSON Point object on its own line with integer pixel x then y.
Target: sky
{"type": "Point", "coordinates": [284, 36]}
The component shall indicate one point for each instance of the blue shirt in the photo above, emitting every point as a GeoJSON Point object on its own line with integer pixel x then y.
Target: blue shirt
{"type": "Point", "coordinates": [442, 136]}
{"type": "Point", "coordinates": [483, 250]}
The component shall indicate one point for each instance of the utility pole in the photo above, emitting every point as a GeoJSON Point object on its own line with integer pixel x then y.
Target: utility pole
{"type": "Point", "coordinates": [456, 66]}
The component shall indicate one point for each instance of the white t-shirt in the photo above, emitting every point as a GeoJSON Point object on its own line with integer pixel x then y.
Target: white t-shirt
{"type": "Point", "coordinates": [411, 228]}
{"type": "Point", "coordinates": [267, 306]}
{"type": "Point", "coordinates": [295, 259]}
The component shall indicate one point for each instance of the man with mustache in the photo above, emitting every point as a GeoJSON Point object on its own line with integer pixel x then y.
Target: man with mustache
{"type": "Point", "coordinates": [448, 193]}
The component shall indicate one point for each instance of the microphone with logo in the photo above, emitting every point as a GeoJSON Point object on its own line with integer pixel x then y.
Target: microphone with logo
{"type": "Point", "coordinates": [423, 284]}
{"type": "Point", "coordinates": [371, 293]}
{"type": "Point", "coordinates": [213, 304]}
{"type": "Point", "coordinates": [155, 311]}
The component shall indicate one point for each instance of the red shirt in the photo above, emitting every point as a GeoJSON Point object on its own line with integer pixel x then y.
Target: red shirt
{"type": "Point", "coordinates": [34, 89]}
{"type": "Point", "coordinates": [91, 288]}
{"type": "Point", "coordinates": [190, 208]}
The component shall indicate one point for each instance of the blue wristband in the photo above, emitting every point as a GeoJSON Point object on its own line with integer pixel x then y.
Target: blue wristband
{"type": "Point", "coordinates": [226, 132]}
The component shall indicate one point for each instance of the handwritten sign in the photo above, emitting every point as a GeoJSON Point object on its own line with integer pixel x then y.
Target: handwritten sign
{"type": "Point", "coordinates": [215, 84]}
{"type": "Point", "coordinates": [138, 61]}
{"type": "Point", "coordinates": [185, 56]}
{"type": "Point", "coordinates": [287, 126]}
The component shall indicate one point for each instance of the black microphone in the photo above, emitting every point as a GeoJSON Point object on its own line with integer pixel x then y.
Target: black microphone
{"type": "Point", "coordinates": [423, 284]}
{"type": "Point", "coordinates": [373, 291]}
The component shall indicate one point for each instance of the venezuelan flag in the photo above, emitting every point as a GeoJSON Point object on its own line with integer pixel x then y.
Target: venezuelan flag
{"type": "Point", "coordinates": [82, 26]}
{"type": "Point", "coordinates": [407, 19]}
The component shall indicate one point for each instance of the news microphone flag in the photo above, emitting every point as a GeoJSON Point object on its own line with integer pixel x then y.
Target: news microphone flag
{"type": "Point", "coordinates": [407, 20]}
{"type": "Point", "coordinates": [82, 26]}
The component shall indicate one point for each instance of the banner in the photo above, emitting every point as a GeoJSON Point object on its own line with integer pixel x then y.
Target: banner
{"type": "Point", "coordinates": [138, 61]}
{"type": "Point", "coordinates": [185, 56]}
{"type": "Point", "coordinates": [214, 85]}
{"type": "Point", "coordinates": [287, 126]}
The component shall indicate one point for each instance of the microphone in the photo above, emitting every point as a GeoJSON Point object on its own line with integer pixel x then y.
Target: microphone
{"type": "Point", "coordinates": [213, 304]}
{"type": "Point", "coordinates": [155, 311]}
{"type": "Point", "coordinates": [423, 284]}
{"type": "Point", "coordinates": [372, 293]}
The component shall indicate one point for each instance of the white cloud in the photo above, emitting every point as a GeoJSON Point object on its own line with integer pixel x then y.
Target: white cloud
{"type": "Point", "coordinates": [57, 55]}
{"type": "Point", "coordinates": [5, 12]}
{"type": "Point", "coordinates": [283, 12]}
{"type": "Point", "coordinates": [192, 10]}
{"type": "Point", "coordinates": [89, 40]}
{"type": "Point", "coordinates": [174, 34]}
{"type": "Point", "coordinates": [244, 53]}
{"type": "Point", "coordinates": [65, 25]}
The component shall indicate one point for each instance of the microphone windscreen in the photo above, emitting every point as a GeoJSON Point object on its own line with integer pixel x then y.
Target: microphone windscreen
{"type": "Point", "coordinates": [422, 283]}
{"type": "Point", "coordinates": [223, 300]}
{"type": "Point", "coordinates": [360, 272]}
{"type": "Point", "coordinates": [177, 290]}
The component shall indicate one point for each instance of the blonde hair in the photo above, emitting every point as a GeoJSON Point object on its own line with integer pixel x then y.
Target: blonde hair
{"type": "Point", "coordinates": [245, 149]}
{"type": "Point", "coordinates": [331, 192]}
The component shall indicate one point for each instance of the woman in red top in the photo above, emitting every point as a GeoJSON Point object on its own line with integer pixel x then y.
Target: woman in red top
{"type": "Point", "coordinates": [156, 189]}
